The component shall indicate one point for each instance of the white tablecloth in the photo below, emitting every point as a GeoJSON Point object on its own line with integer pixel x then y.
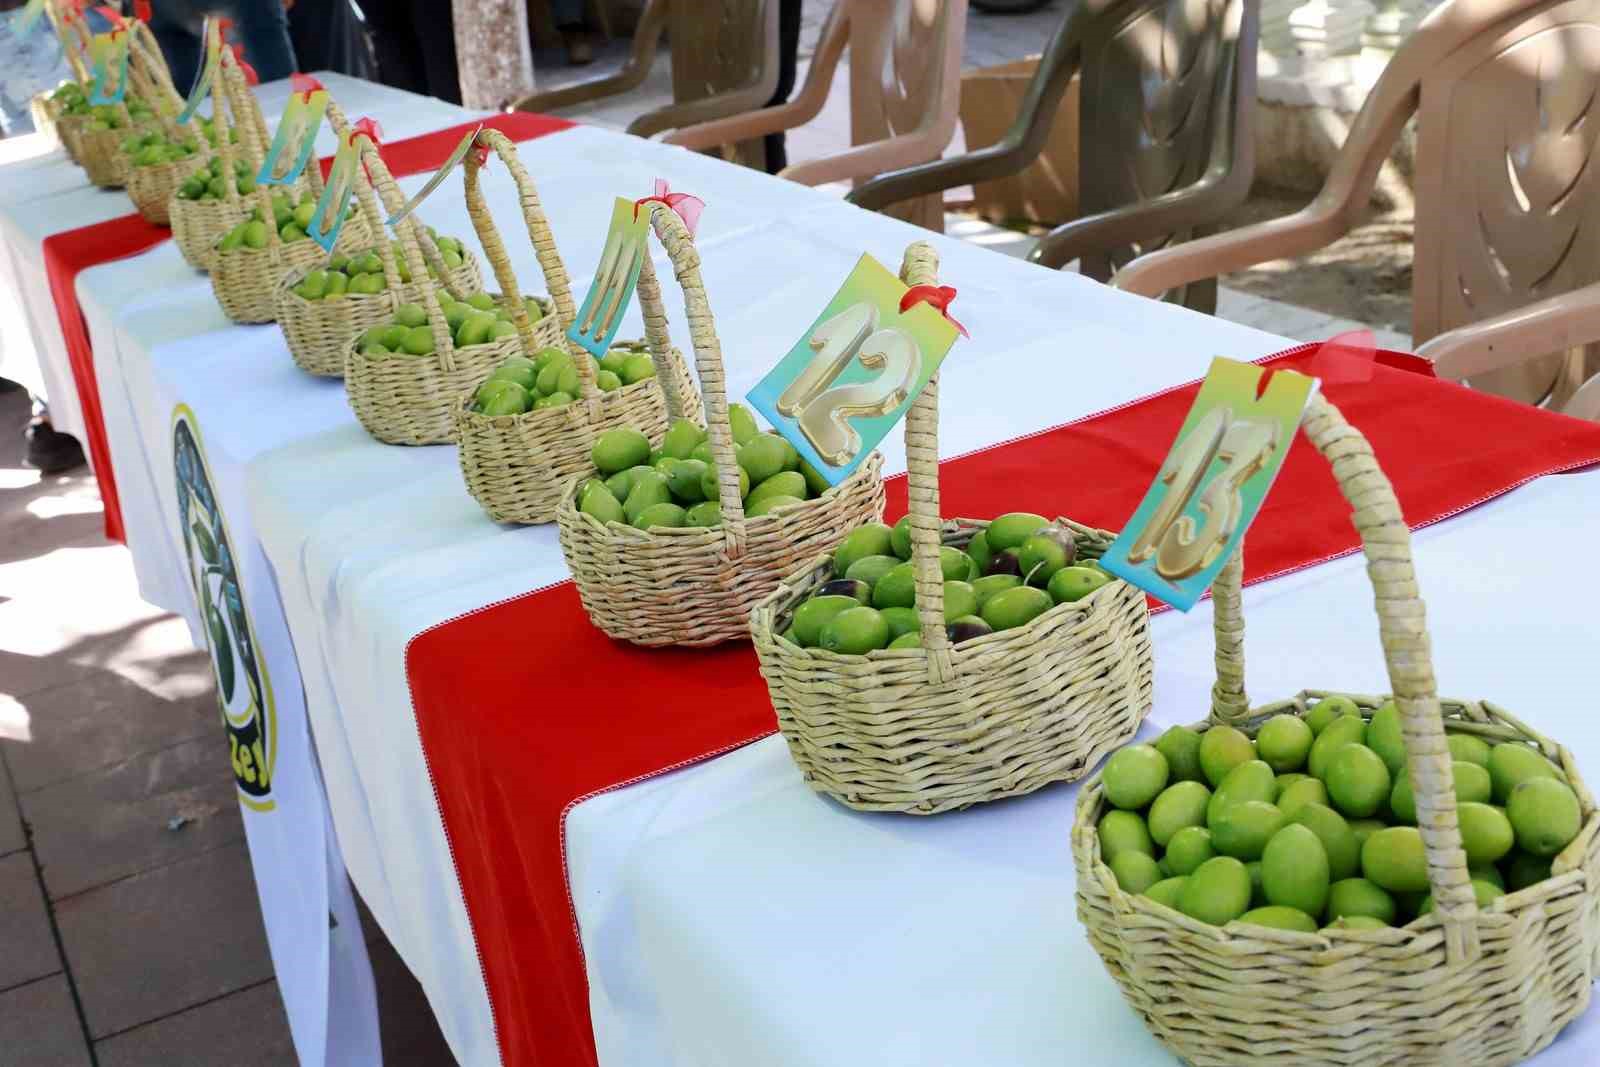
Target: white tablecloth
{"type": "Point", "coordinates": [730, 916]}
{"type": "Point", "coordinates": [369, 545]}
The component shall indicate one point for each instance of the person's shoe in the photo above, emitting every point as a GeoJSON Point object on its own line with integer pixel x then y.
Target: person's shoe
{"type": "Point", "coordinates": [49, 450]}
{"type": "Point", "coordinates": [580, 53]}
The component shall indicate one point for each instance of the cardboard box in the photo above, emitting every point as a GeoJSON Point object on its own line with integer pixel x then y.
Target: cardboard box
{"type": "Point", "coordinates": [1046, 190]}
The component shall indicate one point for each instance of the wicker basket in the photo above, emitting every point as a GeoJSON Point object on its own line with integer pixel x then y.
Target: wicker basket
{"type": "Point", "coordinates": [1462, 985]}
{"type": "Point", "coordinates": [151, 186]}
{"type": "Point", "coordinates": [944, 727]}
{"type": "Point", "coordinates": [696, 586]}
{"type": "Point", "coordinates": [70, 129]}
{"type": "Point", "coordinates": [409, 400]}
{"type": "Point", "coordinates": [245, 280]}
{"type": "Point", "coordinates": [197, 225]}
{"type": "Point", "coordinates": [100, 151]}
{"type": "Point", "coordinates": [516, 466]}
{"type": "Point", "coordinates": [45, 112]}
{"type": "Point", "coordinates": [319, 332]}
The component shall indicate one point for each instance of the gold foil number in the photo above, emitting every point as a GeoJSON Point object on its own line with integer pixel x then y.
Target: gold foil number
{"type": "Point", "coordinates": [823, 413]}
{"type": "Point", "coordinates": [1180, 545]}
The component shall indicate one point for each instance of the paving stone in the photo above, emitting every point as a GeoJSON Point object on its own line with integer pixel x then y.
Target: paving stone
{"type": "Point", "coordinates": [243, 1029]}
{"type": "Point", "coordinates": [39, 1026]}
{"type": "Point", "coordinates": [99, 722]}
{"type": "Point", "coordinates": [27, 947]}
{"type": "Point", "coordinates": [166, 940]}
{"type": "Point", "coordinates": [113, 823]}
{"type": "Point", "coordinates": [12, 837]}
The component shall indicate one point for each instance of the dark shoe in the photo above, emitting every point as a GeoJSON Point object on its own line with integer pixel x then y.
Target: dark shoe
{"type": "Point", "coordinates": [50, 451]}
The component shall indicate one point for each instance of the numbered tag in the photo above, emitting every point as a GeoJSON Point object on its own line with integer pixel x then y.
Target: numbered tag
{"type": "Point", "coordinates": [852, 376]}
{"type": "Point", "coordinates": [26, 17]}
{"type": "Point", "coordinates": [295, 138]}
{"type": "Point", "coordinates": [109, 52]}
{"type": "Point", "coordinates": [206, 75]}
{"type": "Point", "coordinates": [438, 178]}
{"type": "Point", "coordinates": [627, 243]}
{"type": "Point", "coordinates": [333, 204]}
{"type": "Point", "coordinates": [1212, 484]}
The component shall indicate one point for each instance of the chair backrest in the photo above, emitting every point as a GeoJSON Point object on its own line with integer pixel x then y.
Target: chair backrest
{"type": "Point", "coordinates": [1158, 79]}
{"type": "Point", "coordinates": [1507, 189]}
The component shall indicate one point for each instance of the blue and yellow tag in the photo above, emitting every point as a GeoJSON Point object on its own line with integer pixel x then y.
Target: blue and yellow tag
{"type": "Point", "coordinates": [295, 138]}
{"type": "Point", "coordinates": [1211, 486]}
{"type": "Point", "coordinates": [627, 243]}
{"type": "Point", "coordinates": [109, 53]}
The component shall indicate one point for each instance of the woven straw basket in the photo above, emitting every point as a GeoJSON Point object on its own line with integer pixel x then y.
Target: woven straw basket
{"type": "Point", "coordinates": [245, 280]}
{"type": "Point", "coordinates": [100, 151]}
{"type": "Point", "coordinates": [516, 466]}
{"type": "Point", "coordinates": [696, 586]}
{"type": "Point", "coordinates": [944, 727]}
{"type": "Point", "coordinates": [319, 332]}
{"type": "Point", "coordinates": [151, 186]}
{"type": "Point", "coordinates": [1461, 986]}
{"type": "Point", "coordinates": [70, 129]}
{"type": "Point", "coordinates": [45, 112]}
{"type": "Point", "coordinates": [197, 225]}
{"type": "Point", "coordinates": [408, 400]}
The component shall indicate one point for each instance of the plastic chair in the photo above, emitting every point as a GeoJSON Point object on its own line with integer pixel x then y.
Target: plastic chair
{"type": "Point", "coordinates": [1168, 96]}
{"type": "Point", "coordinates": [752, 22]}
{"type": "Point", "coordinates": [1502, 91]}
{"type": "Point", "coordinates": [905, 85]}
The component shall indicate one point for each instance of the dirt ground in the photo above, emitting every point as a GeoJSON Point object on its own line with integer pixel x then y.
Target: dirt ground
{"type": "Point", "coordinates": [1365, 276]}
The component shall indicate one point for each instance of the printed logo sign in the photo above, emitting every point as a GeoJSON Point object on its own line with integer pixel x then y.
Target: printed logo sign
{"type": "Point", "coordinates": [1213, 482]}
{"type": "Point", "coordinates": [851, 378]}
{"type": "Point", "coordinates": [244, 691]}
{"type": "Point", "coordinates": [627, 243]}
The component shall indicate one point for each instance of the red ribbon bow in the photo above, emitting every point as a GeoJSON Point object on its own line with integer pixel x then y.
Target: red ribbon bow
{"type": "Point", "coordinates": [939, 296]}
{"type": "Point", "coordinates": [141, 10]}
{"type": "Point", "coordinates": [224, 24]}
{"type": "Point", "coordinates": [1346, 358]}
{"type": "Point", "coordinates": [687, 206]}
{"type": "Point", "coordinates": [480, 148]}
{"type": "Point", "coordinates": [304, 84]}
{"type": "Point", "coordinates": [113, 16]}
{"type": "Point", "coordinates": [369, 128]}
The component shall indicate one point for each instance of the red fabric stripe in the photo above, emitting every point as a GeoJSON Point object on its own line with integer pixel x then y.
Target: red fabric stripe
{"type": "Point", "coordinates": [524, 709]}
{"type": "Point", "coordinates": [71, 251]}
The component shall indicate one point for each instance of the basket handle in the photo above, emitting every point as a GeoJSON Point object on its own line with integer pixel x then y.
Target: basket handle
{"type": "Point", "coordinates": [1402, 626]}
{"type": "Point", "coordinates": [657, 339]}
{"type": "Point", "coordinates": [494, 247]}
{"type": "Point", "coordinates": [921, 267]}
{"type": "Point", "coordinates": [80, 71]}
{"type": "Point", "coordinates": [253, 141]}
{"type": "Point", "coordinates": [675, 238]}
{"type": "Point", "coordinates": [412, 235]}
{"type": "Point", "coordinates": [368, 203]}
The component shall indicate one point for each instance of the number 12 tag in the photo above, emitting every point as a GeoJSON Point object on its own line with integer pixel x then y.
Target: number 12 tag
{"type": "Point", "coordinates": [853, 375]}
{"type": "Point", "coordinates": [1212, 484]}
{"type": "Point", "coordinates": [110, 52]}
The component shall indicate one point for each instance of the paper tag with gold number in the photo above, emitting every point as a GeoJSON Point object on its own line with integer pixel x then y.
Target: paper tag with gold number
{"type": "Point", "coordinates": [854, 373]}
{"type": "Point", "coordinates": [1213, 481]}
{"type": "Point", "coordinates": [296, 136]}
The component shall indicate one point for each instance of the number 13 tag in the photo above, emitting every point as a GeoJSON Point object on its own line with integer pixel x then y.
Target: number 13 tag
{"type": "Point", "coordinates": [1213, 482]}
{"type": "Point", "coordinates": [852, 376]}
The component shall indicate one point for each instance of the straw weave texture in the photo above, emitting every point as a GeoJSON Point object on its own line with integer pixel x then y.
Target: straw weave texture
{"type": "Point", "coordinates": [1460, 986]}
{"type": "Point", "coordinates": [697, 586]}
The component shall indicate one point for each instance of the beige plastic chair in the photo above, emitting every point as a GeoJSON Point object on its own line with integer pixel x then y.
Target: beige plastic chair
{"type": "Point", "coordinates": [1166, 131]}
{"type": "Point", "coordinates": [745, 33]}
{"type": "Point", "coordinates": [905, 88]}
{"type": "Point", "coordinates": [1503, 92]}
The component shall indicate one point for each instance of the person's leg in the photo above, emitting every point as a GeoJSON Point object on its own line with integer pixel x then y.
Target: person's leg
{"type": "Point", "coordinates": [569, 18]}
{"type": "Point", "coordinates": [176, 26]}
{"type": "Point", "coordinates": [263, 28]}
{"type": "Point", "coordinates": [396, 43]}
{"type": "Point", "coordinates": [438, 43]}
{"type": "Point", "coordinates": [327, 36]}
{"type": "Point", "coordinates": [48, 450]}
{"type": "Point", "coordinates": [788, 61]}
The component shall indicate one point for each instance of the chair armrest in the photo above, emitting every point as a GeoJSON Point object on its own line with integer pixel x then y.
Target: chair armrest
{"type": "Point", "coordinates": [754, 93]}
{"type": "Point", "coordinates": [1019, 147]}
{"type": "Point", "coordinates": [1551, 325]}
{"type": "Point", "coordinates": [1305, 231]}
{"type": "Point", "coordinates": [863, 160]}
{"type": "Point", "coordinates": [646, 39]}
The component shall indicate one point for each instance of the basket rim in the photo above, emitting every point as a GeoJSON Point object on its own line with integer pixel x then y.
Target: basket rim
{"type": "Point", "coordinates": [294, 276]}
{"type": "Point", "coordinates": [352, 348]}
{"type": "Point", "coordinates": [1086, 842]}
{"type": "Point", "coordinates": [567, 509]}
{"type": "Point", "coordinates": [764, 615]}
{"type": "Point", "coordinates": [477, 420]}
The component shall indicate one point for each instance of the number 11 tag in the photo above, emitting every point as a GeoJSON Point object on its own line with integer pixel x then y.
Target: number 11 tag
{"type": "Point", "coordinates": [853, 375]}
{"type": "Point", "coordinates": [1212, 484]}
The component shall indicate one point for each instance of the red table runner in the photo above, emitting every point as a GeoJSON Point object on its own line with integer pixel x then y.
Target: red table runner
{"type": "Point", "coordinates": [513, 745]}
{"type": "Point", "coordinates": [71, 251]}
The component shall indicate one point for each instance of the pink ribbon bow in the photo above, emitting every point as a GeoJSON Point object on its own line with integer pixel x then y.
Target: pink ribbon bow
{"type": "Point", "coordinates": [369, 128]}
{"type": "Point", "coordinates": [687, 206]}
{"type": "Point", "coordinates": [304, 84]}
{"type": "Point", "coordinates": [113, 16]}
{"type": "Point", "coordinates": [1346, 358]}
{"type": "Point", "coordinates": [480, 148]}
{"type": "Point", "coordinates": [939, 296]}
